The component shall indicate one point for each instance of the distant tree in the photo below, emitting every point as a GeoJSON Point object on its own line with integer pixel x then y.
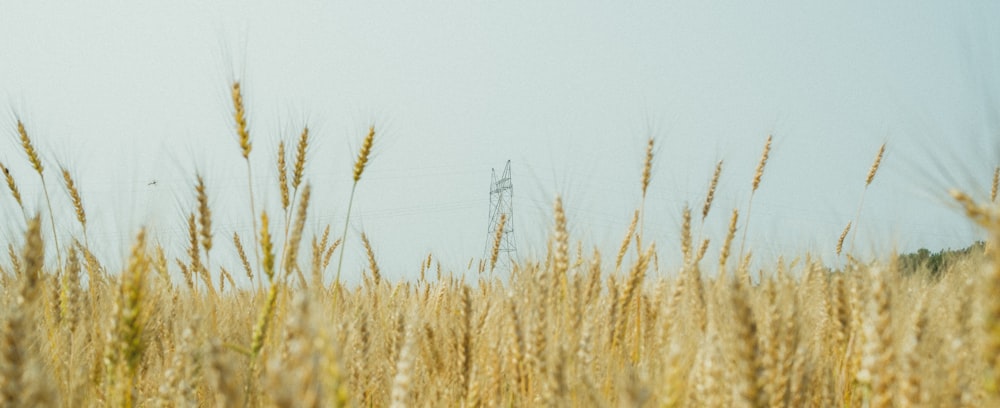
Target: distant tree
{"type": "Point", "coordinates": [936, 263]}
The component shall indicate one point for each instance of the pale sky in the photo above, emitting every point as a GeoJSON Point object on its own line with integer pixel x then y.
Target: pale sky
{"type": "Point", "coordinates": [126, 92]}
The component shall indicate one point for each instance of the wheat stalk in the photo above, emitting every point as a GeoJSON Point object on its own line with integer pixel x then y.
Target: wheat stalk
{"type": "Point", "coordinates": [359, 168]}
{"type": "Point", "coordinates": [264, 318]}
{"type": "Point", "coordinates": [868, 181]}
{"type": "Point", "coordinates": [36, 163]}
{"type": "Point", "coordinates": [757, 175]}
{"type": "Point", "coordinates": [635, 279]}
{"type": "Point", "coordinates": [243, 136]}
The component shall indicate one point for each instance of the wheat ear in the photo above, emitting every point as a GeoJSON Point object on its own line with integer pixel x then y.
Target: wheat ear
{"type": "Point", "coordinates": [877, 366]}
{"type": "Point", "coordinates": [372, 264]}
{"type": "Point", "coordinates": [495, 252]}
{"type": "Point", "coordinates": [366, 149]}
{"type": "Point", "coordinates": [283, 181]}
{"type": "Point", "coordinates": [243, 256]}
{"type": "Point", "coordinates": [204, 219]}
{"type": "Point", "coordinates": [840, 241]}
{"type": "Point", "coordinates": [868, 181]}
{"type": "Point", "coordinates": [757, 175]}
{"type": "Point", "coordinates": [647, 166]}
{"type": "Point", "coordinates": [647, 173]}
{"type": "Point", "coordinates": [560, 259]}
{"type": "Point", "coordinates": [724, 255]}
{"type": "Point", "coordinates": [627, 240]}
{"type": "Point", "coordinates": [240, 117]}
{"type": "Point", "coordinates": [74, 194]}
{"type": "Point", "coordinates": [243, 136]}
{"type": "Point", "coordinates": [264, 318]}
{"type": "Point", "coordinates": [686, 236]}
{"type": "Point", "coordinates": [292, 245]}
{"type": "Point", "coordinates": [12, 186]}
{"type": "Point", "coordinates": [317, 256]}
{"type": "Point", "coordinates": [751, 380]}
{"type": "Point", "coordinates": [298, 169]}
{"type": "Point", "coordinates": [36, 163]}
{"type": "Point", "coordinates": [127, 348]}
{"type": "Point", "coordinates": [359, 168]}
{"type": "Point", "coordinates": [875, 165]}
{"type": "Point", "coordinates": [993, 190]}
{"type": "Point", "coordinates": [710, 195]}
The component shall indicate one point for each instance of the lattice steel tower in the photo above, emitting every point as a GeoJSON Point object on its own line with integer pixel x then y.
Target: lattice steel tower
{"type": "Point", "coordinates": [501, 206]}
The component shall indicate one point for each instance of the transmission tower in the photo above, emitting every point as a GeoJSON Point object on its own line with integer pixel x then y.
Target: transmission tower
{"type": "Point", "coordinates": [501, 206]}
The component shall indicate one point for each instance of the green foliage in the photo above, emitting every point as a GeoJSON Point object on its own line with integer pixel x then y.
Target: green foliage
{"type": "Point", "coordinates": [935, 264]}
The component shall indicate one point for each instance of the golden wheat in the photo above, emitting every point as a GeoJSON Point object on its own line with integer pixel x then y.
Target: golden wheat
{"type": "Point", "coordinates": [993, 189]}
{"type": "Point", "coordinates": [366, 149]}
{"type": "Point", "coordinates": [875, 165]}
{"type": "Point", "coordinates": [12, 186]}
{"type": "Point", "coordinates": [710, 195]}
{"type": "Point", "coordinates": [495, 252]}
{"type": "Point", "coordinates": [563, 330]}
{"type": "Point", "coordinates": [283, 177]}
{"type": "Point", "coordinates": [840, 241]}
{"type": "Point", "coordinates": [757, 175]}
{"type": "Point", "coordinates": [627, 240]}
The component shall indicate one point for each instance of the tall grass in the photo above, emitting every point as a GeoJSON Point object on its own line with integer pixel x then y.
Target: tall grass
{"type": "Point", "coordinates": [562, 330]}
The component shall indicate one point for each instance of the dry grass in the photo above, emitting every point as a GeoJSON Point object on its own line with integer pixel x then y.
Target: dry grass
{"type": "Point", "coordinates": [564, 330]}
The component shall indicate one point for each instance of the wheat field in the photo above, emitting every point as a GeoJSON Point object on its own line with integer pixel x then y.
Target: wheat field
{"type": "Point", "coordinates": [569, 329]}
